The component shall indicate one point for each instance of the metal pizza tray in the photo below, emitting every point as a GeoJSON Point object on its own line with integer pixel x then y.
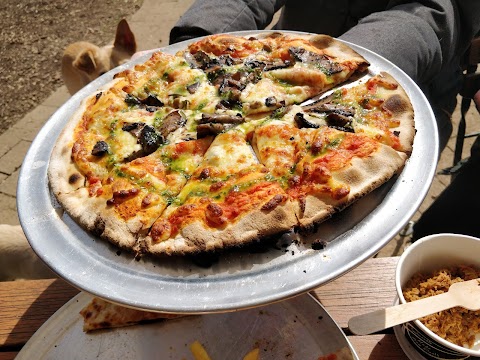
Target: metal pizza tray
{"type": "Point", "coordinates": [297, 329]}
{"type": "Point", "coordinates": [237, 280]}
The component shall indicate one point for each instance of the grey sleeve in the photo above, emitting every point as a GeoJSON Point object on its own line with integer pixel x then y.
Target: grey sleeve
{"type": "Point", "coordinates": [423, 37]}
{"type": "Point", "coordinates": [207, 17]}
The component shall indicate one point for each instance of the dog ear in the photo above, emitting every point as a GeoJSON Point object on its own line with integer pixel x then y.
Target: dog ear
{"type": "Point", "coordinates": [124, 38]}
{"type": "Point", "coordinates": [85, 62]}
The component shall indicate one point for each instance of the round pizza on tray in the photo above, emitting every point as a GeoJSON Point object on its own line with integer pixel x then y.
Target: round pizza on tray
{"type": "Point", "coordinates": [217, 146]}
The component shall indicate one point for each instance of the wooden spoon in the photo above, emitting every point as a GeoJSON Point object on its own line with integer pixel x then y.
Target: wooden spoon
{"type": "Point", "coordinates": [465, 294]}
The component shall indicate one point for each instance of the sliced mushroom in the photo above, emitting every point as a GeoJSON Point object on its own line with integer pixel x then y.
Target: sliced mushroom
{"type": "Point", "coordinates": [200, 60]}
{"type": "Point", "coordinates": [267, 65]}
{"type": "Point", "coordinates": [337, 119]}
{"type": "Point", "coordinates": [321, 61]}
{"type": "Point", "coordinates": [227, 60]}
{"type": "Point", "coordinates": [132, 100]}
{"type": "Point", "coordinates": [221, 119]}
{"type": "Point", "coordinates": [191, 61]}
{"type": "Point", "coordinates": [231, 88]}
{"type": "Point", "coordinates": [133, 128]}
{"type": "Point", "coordinates": [146, 136]}
{"type": "Point", "coordinates": [100, 149]}
{"type": "Point", "coordinates": [281, 111]}
{"type": "Point", "coordinates": [215, 75]}
{"type": "Point", "coordinates": [253, 77]}
{"type": "Point", "coordinates": [204, 61]}
{"type": "Point", "coordinates": [252, 63]}
{"type": "Point", "coordinates": [150, 100]}
{"type": "Point", "coordinates": [151, 109]}
{"type": "Point", "coordinates": [271, 101]}
{"type": "Point", "coordinates": [303, 122]}
{"type": "Point", "coordinates": [274, 65]}
{"type": "Point", "coordinates": [337, 116]}
{"type": "Point", "coordinates": [192, 88]}
{"type": "Point", "coordinates": [150, 140]}
{"type": "Point", "coordinates": [172, 122]}
{"type": "Point", "coordinates": [228, 104]}
{"type": "Point", "coordinates": [179, 103]}
{"type": "Point", "coordinates": [340, 122]}
{"type": "Point", "coordinates": [208, 129]}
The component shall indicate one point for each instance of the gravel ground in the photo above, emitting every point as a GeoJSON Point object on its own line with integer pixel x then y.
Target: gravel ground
{"type": "Point", "coordinates": [34, 34]}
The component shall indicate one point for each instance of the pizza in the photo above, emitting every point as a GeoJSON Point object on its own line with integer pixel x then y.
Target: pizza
{"type": "Point", "coordinates": [230, 141]}
{"type": "Point", "coordinates": [99, 314]}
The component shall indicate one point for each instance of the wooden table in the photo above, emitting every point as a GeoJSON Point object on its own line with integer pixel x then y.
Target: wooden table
{"type": "Point", "coordinates": [26, 305]}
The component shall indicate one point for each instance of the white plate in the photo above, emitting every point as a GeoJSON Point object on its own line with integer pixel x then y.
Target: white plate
{"type": "Point", "coordinates": [296, 329]}
{"type": "Point", "coordinates": [237, 280]}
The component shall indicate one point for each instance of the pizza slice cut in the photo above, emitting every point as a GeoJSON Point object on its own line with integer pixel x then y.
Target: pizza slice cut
{"type": "Point", "coordinates": [336, 169]}
{"type": "Point", "coordinates": [135, 193]}
{"type": "Point", "coordinates": [168, 80]}
{"type": "Point", "coordinates": [378, 107]}
{"type": "Point", "coordinates": [79, 155]}
{"type": "Point", "coordinates": [281, 147]}
{"type": "Point", "coordinates": [230, 200]}
{"type": "Point", "coordinates": [316, 64]}
{"type": "Point", "coordinates": [322, 169]}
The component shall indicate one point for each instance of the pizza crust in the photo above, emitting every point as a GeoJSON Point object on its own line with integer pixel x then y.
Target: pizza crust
{"type": "Point", "coordinates": [339, 50]}
{"type": "Point", "coordinates": [399, 104]}
{"type": "Point", "coordinates": [254, 226]}
{"type": "Point", "coordinates": [96, 218]}
{"type": "Point", "coordinates": [63, 175]}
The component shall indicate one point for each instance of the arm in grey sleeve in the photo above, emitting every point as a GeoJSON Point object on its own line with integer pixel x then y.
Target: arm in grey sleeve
{"type": "Point", "coordinates": [207, 17]}
{"type": "Point", "coordinates": [423, 37]}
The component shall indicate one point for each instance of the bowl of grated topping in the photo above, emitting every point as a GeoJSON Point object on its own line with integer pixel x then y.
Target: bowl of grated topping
{"type": "Point", "coordinates": [427, 268]}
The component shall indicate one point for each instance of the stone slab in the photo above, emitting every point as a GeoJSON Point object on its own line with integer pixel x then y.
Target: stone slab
{"type": "Point", "coordinates": [13, 159]}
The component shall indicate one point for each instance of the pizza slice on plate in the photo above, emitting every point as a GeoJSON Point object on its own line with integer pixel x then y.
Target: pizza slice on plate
{"type": "Point", "coordinates": [100, 314]}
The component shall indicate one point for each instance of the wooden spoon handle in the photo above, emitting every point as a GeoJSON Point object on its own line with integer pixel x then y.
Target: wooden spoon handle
{"type": "Point", "coordinates": [399, 314]}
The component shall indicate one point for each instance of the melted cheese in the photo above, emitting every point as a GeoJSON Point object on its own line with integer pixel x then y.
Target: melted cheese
{"type": "Point", "coordinates": [275, 144]}
{"type": "Point", "coordinates": [229, 153]}
{"type": "Point", "coordinates": [254, 96]}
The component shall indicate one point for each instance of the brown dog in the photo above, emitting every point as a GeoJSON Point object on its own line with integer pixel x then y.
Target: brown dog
{"type": "Point", "coordinates": [83, 62]}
